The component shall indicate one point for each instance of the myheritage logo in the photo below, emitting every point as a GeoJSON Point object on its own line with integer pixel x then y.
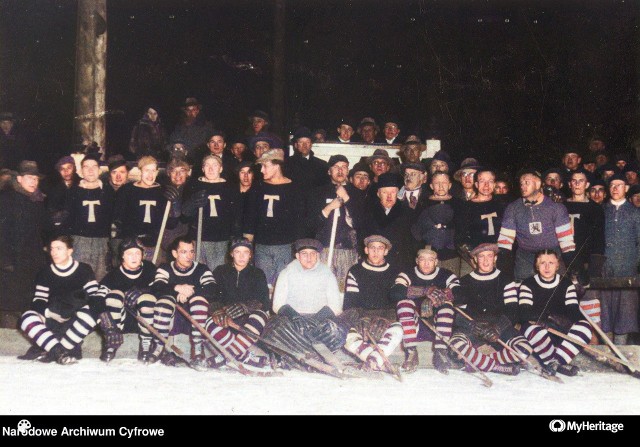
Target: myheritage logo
{"type": "Point", "coordinates": [557, 425]}
{"type": "Point", "coordinates": [23, 426]}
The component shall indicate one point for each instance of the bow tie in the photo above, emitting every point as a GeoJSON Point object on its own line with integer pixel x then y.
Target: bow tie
{"type": "Point", "coordinates": [530, 202]}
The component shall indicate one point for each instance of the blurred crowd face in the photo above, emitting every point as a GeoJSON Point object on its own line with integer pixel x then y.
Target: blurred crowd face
{"type": "Point", "coordinates": [258, 124]}
{"type": "Point", "coordinates": [179, 176]}
{"type": "Point", "coordinates": [368, 133]}
{"type": "Point", "coordinates": [66, 171]}
{"type": "Point", "coordinates": [571, 161]}
{"type": "Point", "coordinates": [260, 148]}
{"type": "Point", "coordinates": [388, 196]}
{"type": "Point", "coordinates": [379, 166]}
{"type": "Point", "coordinates": [192, 112]}
{"type": "Point", "coordinates": [303, 145]}
{"type": "Point", "coordinates": [438, 165]}
{"type": "Point", "coordinates": [597, 193]}
{"type": "Point", "coordinates": [486, 184]}
{"type": "Point", "coordinates": [216, 145]}
{"type": "Point", "coordinates": [466, 178]}
{"type": "Point", "coordinates": [118, 176]}
{"type": "Point", "coordinates": [501, 188]}
{"type": "Point", "coordinates": [90, 170]}
{"type": "Point", "coordinates": [6, 126]}
{"type": "Point", "coordinates": [391, 130]}
{"type": "Point", "coordinates": [338, 172]}
{"type": "Point", "coordinates": [28, 182]}
{"type": "Point", "coordinates": [238, 150]}
{"type": "Point", "coordinates": [361, 180]}
{"type": "Point", "coordinates": [345, 132]}
{"type": "Point", "coordinates": [246, 177]}
{"type": "Point", "coordinates": [554, 180]}
{"type": "Point", "coordinates": [152, 115]}
{"type": "Point", "coordinates": [440, 184]}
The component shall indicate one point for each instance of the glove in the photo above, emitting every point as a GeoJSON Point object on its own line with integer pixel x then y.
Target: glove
{"type": "Point", "coordinates": [439, 296]}
{"type": "Point", "coordinates": [220, 318]}
{"type": "Point", "coordinates": [59, 217]}
{"type": "Point", "coordinates": [596, 266]}
{"type": "Point", "coordinates": [329, 333]}
{"type": "Point", "coordinates": [378, 327]}
{"type": "Point", "coordinates": [236, 310]}
{"type": "Point", "coordinates": [171, 193]}
{"type": "Point", "coordinates": [197, 200]}
{"type": "Point", "coordinates": [486, 331]}
{"type": "Point", "coordinates": [426, 309]}
{"type": "Point", "coordinates": [112, 335]}
{"type": "Point", "coordinates": [288, 311]}
{"type": "Point", "coordinates": [131, 298]}
{"type": "Point", "coordinates": [559, 322]}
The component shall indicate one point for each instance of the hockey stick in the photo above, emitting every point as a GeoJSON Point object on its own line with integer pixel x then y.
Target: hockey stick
{"type": "Point", "coordinates": [228, 357]}
{"type": "Point", "coordinates": [485, 380]}
{"type": "Point", "coordinates": [609, 343]}
{"type": "Point", "coordinates": [519, 355]}
{"type": "Point", "coordinates": [387, 363]}
{"type": "Point", "coordinates": [594, 351]}
{"type": "Point", "coordinates": [332, 242]}
{"type": "Point", "coordinates": [155, 333]}
{"type": "Point", "coordinates": [199, 236]}
{"type": "Point", "coordinates": [162, 227]}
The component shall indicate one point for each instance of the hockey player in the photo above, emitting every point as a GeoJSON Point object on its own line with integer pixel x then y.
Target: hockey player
{"type": "Point", "coordinates": [368, 309]}
{"type": "Point", "coordinates": [242, 299]}
{"type": "Point", "coordinates": [274, 212]}
{"type": "Point", "coordinates": [62, 288]}
{"type": "Point", "coordinates": [222, 212]}
{"type": "Point", "coordinates": [330, 200]}
{"type": "Point", "coordinates": [438, 286]}
{"type": "Point", "coordinates": [490, 298]}
{"type": "Point", "coordinates": [182, 282]}
{"type": "Point", "coordinates": [140, 207]}
{"type": "Point", "coordinates": [544, 300]}
{"type": "Point", "coordinates": [89, 207]}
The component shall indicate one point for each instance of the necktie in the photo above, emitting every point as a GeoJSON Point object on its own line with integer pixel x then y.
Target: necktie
{"type": "Point", "coordinates": [413, 201]}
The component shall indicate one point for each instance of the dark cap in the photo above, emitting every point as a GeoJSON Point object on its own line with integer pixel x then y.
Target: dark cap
{"type": "Point", "coordinates": [243, 164]}
{"type": "Point", "coordinates": [417, 166]}
{"type": "Point", "coordinates": [259, 114]}
{"type": "Point", "coordinates": [617, 176]}
{"type": "Point", "coordinates": [633, 190]}
{"type": "Point", "coordinates": [597, 182]}
{"type": "Point", "coordinates": [28, 167]}
{"type": "Point", "coordinates": [64, 160]}
{"type": "Point", "coordinates": [360, 167]}
{"type": "Point", "coordinates": [553, 171]}
{"type": "Point", "coordinates": [130, 242]}
{"type": "Point", "coordinates": [116, 161]}
{"type": "Point", "coordinates": [93, 156]}
{"type": "Point", "coordinates": [412, 139]}
{"type": "Point", "coordinates": [261, 137]}
{"type": "Point", "coordinates": [379, 154]}
{"type": "Point", "coordinates": [301, 244]}
{"type": "Point", "coordinates": [367, 121]}
{"type": "Point", "coordinates": [442, 156]}
{"type": "Point", "coordinates": [191, 101]}
{"type": "Point", "coordinates": [7, 116]}
{"type": "Point", "coordinates": [302, 132]}
{"type": "Point", "coordinates": [389, 179]}
{"type": "Point", "coordinates": [337, 158]}
{"type": "Point", "coordinates": [241, 242]}
{"type": "Point", "coordinates": [529, 171]}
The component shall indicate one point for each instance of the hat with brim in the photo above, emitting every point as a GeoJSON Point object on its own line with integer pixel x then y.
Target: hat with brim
{"type": "Point", "coordinates": [302, 244]}
{"type": "Point", "coordinates": [302, 132]}
{"type": "Point", "coordinates": [416, 166]}
{"type": "Point", "coordinates": [243, 164]}
{"type": "Point", "coordinates": [379, 154]}
{"type": "Point", "coordinates": [377, 238]}
{"type": "Point", "coordinates": [28, 167]}
{"type": "Point", "coordinates": [271, 155]}
{"type": "Point", "coordinates": [484, 247]}
{"type": "Point", "coordinates": [259, 114]}
{"type": "Point", "coordinates": [367, 121]}
{"type": "Point", "coordinates": [389, 180]}
{"type": "Point", "coordinates": [258, 138]}
{"type": "Point", "coordinates": [191, 102]}
{"type": "Point", "coordinates": [467, 163]}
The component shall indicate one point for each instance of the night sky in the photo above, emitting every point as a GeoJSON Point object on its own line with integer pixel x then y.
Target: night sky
{"type": "Point", "coordinates": [511, 82]}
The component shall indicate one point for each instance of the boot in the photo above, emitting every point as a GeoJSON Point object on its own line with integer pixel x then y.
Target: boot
{"type": "Point", "coordinates": [145, 349]}
{"type": "Point", "coordinates": [156, 351]}
{"type": "Point", "coordinates": [254, 362]}
{"type": "Point", "coordinates": [34, 353]}
{"type": "Point", "coordinates": [108, 355]}
{"type": "Point", "coordinates": [456, 362]}
{"type": "Point", "coordinates": [549, 368]}
{"type": "Point", "coordinates": [441, 361]}
{"type": "Point", "coordinates": [509, 370]}
{"type": "Point", "coordinates": [168, 358]}
{"type": "Point", "coordinates": [62, 356]}
{"type": "Point", "coordinates": [411, 361]}
{"type": "Point", "coordinates": [568, 370]}
{"type": "Point", "coordinates": [216, 361]}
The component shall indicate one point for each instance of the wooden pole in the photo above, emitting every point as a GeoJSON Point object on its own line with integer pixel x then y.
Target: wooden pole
{"type": "Point", "coordinates": [91, 73]}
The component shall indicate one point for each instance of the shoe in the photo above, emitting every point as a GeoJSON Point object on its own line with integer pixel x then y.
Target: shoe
{"type": "Point", "coordinates": [568, 370]}
{"type": "Point", "coordinates": [34, 353]}
{"type": "Point", "coordinates": [199, 362]}
{"type": "Point", "coordinates": [549, 368]}
{"type": "Point", "coordinates": [62, 356]}
{"type": "Point", "coordinates": [145, 348]}
{"type": "Point", "coordinates": [410, 364]}
{"type": "Point", "coordinates": [456, 362]}
{"type": "Point", "coordinates": [216, 361]}
{"type": "Point", "coordinates": [441, 361]}
{"type": "Point", "coordinates": [254, 362]}
{"type": "Point", "coordinates": [108, 355]}
{"type": "Point", "coordinates": [168, 358]}
{"type": "Point", "coordinates": [509, 370]}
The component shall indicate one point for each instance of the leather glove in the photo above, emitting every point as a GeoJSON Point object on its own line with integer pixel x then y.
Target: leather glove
{"type": "Point", "coordinates": [112, 335]}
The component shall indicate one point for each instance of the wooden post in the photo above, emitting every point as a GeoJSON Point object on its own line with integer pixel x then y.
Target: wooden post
{"type": "Point", "coordinates": [91, 75]}
{"type": "Point", "coordinates": [278, 100]}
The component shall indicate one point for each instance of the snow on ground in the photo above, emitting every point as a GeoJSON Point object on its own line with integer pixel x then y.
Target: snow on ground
{"type": "Point", "coordinates": [128, 387]}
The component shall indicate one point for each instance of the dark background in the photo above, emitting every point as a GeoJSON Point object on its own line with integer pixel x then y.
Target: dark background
{"type": "Point", "coordinates": [513, 82]}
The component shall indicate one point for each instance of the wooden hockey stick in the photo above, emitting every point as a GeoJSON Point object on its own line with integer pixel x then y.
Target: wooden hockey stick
{"type": "Point", "coordinates": [485, 380]}
{"type": "Point", "coordinates": [523, 360]}
{"type": "Point", "coordinates": [387, 363]}
{"type": "Point", "coordinates": [199, 235]}
{"type": "Point", "coordinates": [155, 333]}
{"type": "Point", "coordinates": [162, 227]}
{"type": "Point", "coordinates": [332, 242]}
